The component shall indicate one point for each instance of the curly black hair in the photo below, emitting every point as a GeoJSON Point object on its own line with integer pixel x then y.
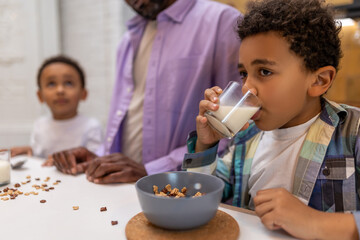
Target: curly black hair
{"type": "Point", "coordinates": [308, 25]}
{"type": "Point", "coordinates": [62, 59]}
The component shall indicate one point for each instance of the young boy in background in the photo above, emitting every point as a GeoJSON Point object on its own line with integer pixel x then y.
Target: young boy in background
{"type": "Point", "coordinates": [298, 162]}
{"type": "Point", "coordinates": [61, 86]}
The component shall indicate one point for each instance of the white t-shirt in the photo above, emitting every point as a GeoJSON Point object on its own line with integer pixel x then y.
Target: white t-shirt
{"type": "Point", "coordinates": [132, 136]}
{"type": "Point", "coordinates": [49, 135]}
{"type": "Point", "coordinates": [276, 157]}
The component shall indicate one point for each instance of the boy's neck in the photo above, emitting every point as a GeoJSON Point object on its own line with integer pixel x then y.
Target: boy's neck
{"type": "Point", "coordinates": [64, 117]}
{"type": "Point", "coordinates": [310, 110]}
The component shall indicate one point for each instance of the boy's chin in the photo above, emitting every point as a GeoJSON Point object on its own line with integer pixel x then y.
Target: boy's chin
{"type": "Point", "coordinates": [63, 115]}
{"type": "Point", "coordinates": [264, 126]}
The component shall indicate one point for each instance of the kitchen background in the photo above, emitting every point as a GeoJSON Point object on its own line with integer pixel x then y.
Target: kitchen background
{"type": "Point", "coordinates": [89, 31]}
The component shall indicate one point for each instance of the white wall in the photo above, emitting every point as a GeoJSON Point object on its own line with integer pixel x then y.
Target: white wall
{"type": "Point", "coordinates": [32, 30]}
{"type": "Point", "coordinates": [90, 32]}
{"type": "Point", "coordinates": [28, 33]}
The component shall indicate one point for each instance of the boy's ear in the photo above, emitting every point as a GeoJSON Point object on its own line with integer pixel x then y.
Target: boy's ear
{"type": "Point", "coordinates": [323, 79]}
{"type": "Point", "coordinates": [84, 94]}
{"type": "Point", "coordinates": [39, 95]}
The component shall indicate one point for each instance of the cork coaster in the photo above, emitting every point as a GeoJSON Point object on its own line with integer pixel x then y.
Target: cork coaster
{"type": "Point", "coordinates": [222, 226]}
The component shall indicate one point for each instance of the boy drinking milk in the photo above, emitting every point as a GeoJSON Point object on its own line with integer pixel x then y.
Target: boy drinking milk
{"type": "Point", "coordinates": [298, 162]}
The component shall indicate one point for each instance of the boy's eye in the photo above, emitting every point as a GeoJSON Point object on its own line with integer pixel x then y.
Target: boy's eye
{"type": "Point", "coordinates": [50, 84]}
{"type": "Point", "coordinates": [264, 72]}
{"type": "Point", "coordinates": [69, 83]}
{"type": "Point", "coordinates": [243, 75]}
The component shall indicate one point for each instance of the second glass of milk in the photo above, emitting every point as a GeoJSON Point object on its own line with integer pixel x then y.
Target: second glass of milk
{"type": "Point", "coordinates": [4, 167]}
{"type": "Point", "coordinates": [235, 109]}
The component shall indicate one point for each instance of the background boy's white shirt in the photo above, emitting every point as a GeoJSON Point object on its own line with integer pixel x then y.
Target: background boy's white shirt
{"type": "Point", "coordinates": [49, 135]}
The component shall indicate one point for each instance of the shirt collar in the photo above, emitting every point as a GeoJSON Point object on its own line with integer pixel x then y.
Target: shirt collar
{"type": "Point", "coordinates": [176, 12]}
{"type": "Point", "coordinates": [332, 113]}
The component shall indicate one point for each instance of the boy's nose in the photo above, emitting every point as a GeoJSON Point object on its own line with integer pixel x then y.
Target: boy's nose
{"type": "Point", "coordinates": [246, 87]}
{"type": "Point", "coordinates": [60, 89]}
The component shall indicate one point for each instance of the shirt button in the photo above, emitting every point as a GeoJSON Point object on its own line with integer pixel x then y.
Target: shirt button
{"type": "Point", "coordinates": [109, 139]}
{"type": "Point", "coordinates": [326, 171]}
{"type": "Point", "coordinates": [119, 113]}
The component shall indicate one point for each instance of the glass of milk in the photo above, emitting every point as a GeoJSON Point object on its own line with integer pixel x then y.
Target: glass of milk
{"type": "Point", "coordinates": [235, 109]}
{"type": "Point", "coordinates": [4, 167]}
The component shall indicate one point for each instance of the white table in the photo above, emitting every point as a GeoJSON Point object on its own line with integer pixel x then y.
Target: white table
{"type": "Point", "coordinates": [27, 218]}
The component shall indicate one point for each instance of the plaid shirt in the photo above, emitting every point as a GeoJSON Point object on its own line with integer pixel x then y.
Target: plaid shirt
{"type": "Point", "coordinates": [327, 175]}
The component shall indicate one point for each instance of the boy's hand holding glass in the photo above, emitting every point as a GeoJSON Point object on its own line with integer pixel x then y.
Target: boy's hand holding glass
{"type": "Point", "coordinates": [224, 113]}
{"type": "Point", "coordinates": [207, 136]}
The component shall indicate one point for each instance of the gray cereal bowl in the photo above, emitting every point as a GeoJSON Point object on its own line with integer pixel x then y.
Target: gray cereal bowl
{"type": "Point", "coordinates": [180, 213]}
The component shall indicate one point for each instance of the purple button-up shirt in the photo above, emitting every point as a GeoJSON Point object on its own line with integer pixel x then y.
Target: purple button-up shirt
{"type": "Point", "coordinates": [196, 47]}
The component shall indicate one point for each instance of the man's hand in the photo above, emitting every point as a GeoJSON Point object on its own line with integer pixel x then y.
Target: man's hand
{"type": "Point", "coordinates": [71, 161]}
{"type": "Point", "coordinates": [277, 208]}
{"type": "Point", "coordinates": [114, 168]}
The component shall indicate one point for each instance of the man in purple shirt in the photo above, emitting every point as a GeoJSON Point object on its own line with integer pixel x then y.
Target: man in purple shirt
{"type": "Point", "coordinates": [173, 50]}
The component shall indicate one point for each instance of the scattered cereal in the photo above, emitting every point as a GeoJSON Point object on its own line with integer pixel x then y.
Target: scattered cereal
{"type": "Point", "coordinates": [103, 209]}
{"type": "Point", "coordinates": [28, 176]}
{"type": "Point", "coordinates": [37, 179]}
{"type": "Point", "coordinates": [43, 201]}
{"type": "Point", "coordinates": [114, 223]}
{"type": "Point", "coordinates": [17, 185]}
{"type": "Point", "coordinates": [76, 207]}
